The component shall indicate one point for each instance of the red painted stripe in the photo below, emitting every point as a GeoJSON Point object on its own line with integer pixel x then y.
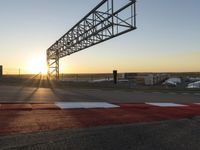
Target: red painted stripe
{"type": "Point", "coordinates": [18, 121]}
{"type": "Point", "coordinates": [44, 107]}
{"type": "Point", "coordinates": [15, 107]}
{"type": "Point", "coordinates": [134, 105]}
{"type": "Point", "coordinates": [27, 106]}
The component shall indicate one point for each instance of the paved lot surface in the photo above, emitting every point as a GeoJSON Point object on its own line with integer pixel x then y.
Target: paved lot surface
{"type": "Point", "coordinates": [27, 94]}
{"type": "Point", "coordinates": [168, 135]}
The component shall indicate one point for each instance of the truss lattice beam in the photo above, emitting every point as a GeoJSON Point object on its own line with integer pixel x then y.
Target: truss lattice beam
{"type": "Point", "coordinates": [102, 23]}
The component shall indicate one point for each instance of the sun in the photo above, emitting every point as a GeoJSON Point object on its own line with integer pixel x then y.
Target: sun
{"type": "Point", "coordinates": [36, 66]}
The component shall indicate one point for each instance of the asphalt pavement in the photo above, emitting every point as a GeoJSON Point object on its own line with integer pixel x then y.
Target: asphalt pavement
{"type": "Point", "coordinates": [181, 134]}
{"type": "Point", "coordinates": [38, 94]}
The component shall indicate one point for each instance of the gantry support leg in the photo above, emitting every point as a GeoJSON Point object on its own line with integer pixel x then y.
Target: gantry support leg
{"type": "Point", "coordinates": [53, 67]}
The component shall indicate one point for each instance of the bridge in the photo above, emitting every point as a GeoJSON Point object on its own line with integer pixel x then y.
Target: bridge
{"type": "Point", "coordinates": [102, 23]}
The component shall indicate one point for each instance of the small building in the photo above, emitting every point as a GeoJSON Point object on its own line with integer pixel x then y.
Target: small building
{"type": "Point", "coordinates": [146, 78]}
{"type": "Point", "coordinates": [149, 80]}
{"type": "Point", "coordinates": [1, 71]}
{"type": "Point", "coordinates": [155, 79]}
{"type": "Point", "coordinates": [129, 75]}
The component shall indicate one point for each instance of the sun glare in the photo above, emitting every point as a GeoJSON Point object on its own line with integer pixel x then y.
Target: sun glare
{"type": "Point", "coordinates": [36, 66]}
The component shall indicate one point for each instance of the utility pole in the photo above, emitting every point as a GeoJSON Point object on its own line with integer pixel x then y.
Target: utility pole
{"type": "Point", "coordinates": [19, 71]}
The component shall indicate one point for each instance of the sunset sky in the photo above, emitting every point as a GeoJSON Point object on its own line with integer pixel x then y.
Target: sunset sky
{"type": "Point", "coordinates": [167, 38]}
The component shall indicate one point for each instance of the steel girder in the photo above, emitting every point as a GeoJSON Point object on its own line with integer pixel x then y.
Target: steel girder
{"type": "Point", "coordinates": [100, 24]}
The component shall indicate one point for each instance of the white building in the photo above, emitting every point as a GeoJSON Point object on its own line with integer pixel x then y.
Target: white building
{"type": "Point", "coordinates": [194, 85]}
{"type": "Point", "coordinates": [172, 81]}
{"type": "Point", "coordinates": [154, 79]}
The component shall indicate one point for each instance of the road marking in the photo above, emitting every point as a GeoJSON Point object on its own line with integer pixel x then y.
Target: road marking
{"type": "Point", "coordinates": [156, 92]}
{"type": "Point", "coordinates": [185, 93]}
{"type": "Point", "coordinates": [83, 118]}
{"type": "Point", "coordinates": [172, 93]}
{"type": "Point", "coordinates": [71, 105]}
{"type": "Point", "coordinates": [166, 104]}
{"type": "Point", "coordinates": [196, 93]}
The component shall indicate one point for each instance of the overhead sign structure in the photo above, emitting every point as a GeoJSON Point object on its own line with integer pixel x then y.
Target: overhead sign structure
{"type": "Point", "coordinates": [102, 23]}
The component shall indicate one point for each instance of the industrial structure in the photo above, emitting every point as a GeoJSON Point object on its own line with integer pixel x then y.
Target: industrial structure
{"type": "Point", "coordinates": [102, 23]}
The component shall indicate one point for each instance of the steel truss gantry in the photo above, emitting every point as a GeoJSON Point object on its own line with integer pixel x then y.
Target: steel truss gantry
{"type": "Point", "coordinates": [104, 22]}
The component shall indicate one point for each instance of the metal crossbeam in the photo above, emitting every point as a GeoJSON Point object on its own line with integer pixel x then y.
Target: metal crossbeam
{"type": "Point", "coordinates": [100, 24]}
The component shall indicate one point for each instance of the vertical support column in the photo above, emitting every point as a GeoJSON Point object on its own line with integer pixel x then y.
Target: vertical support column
{"type": "Point", "coordinates": [57, 65]}
{"type": "Point", "coordinates": [134, 14]}
{"type": "Point", "coordinates": [112, 5]}
{"type": "Point", "coordinates": [53, 68]}
{"type": "Point", "coordinates": [53, 64]}
{"type": "Point", "coordinates": [115, 76]}
{"type": "Point", "coordinates": [57, 61]}
{"type": "Point", "coordinates": [48, 66]}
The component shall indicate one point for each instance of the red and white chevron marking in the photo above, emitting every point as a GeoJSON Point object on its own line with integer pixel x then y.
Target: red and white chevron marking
{"type": "Point", "coordinates": [34, 117]}
{"type": "Point", "coordinates": [86, 105]}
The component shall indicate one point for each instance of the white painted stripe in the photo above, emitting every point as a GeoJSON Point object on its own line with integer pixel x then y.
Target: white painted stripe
{"type": "Point", "coordinates": [71, 105]}
{"type": "Point", "coordinates": [196, 93]}
{"type": "Point", "coordinates": [185, 93]}
{"type": "Point", "coordinates": [166, 104]}
{"type": "Point", "coordinates": [197, 103]}
{"type": "Point", "coordinates": [172, 93]}
{"type": "Point", "coordinates": [156, 92]}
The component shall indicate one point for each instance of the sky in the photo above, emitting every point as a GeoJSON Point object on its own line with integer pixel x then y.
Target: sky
{"type": "Point", "coordinates": [167, 38]}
